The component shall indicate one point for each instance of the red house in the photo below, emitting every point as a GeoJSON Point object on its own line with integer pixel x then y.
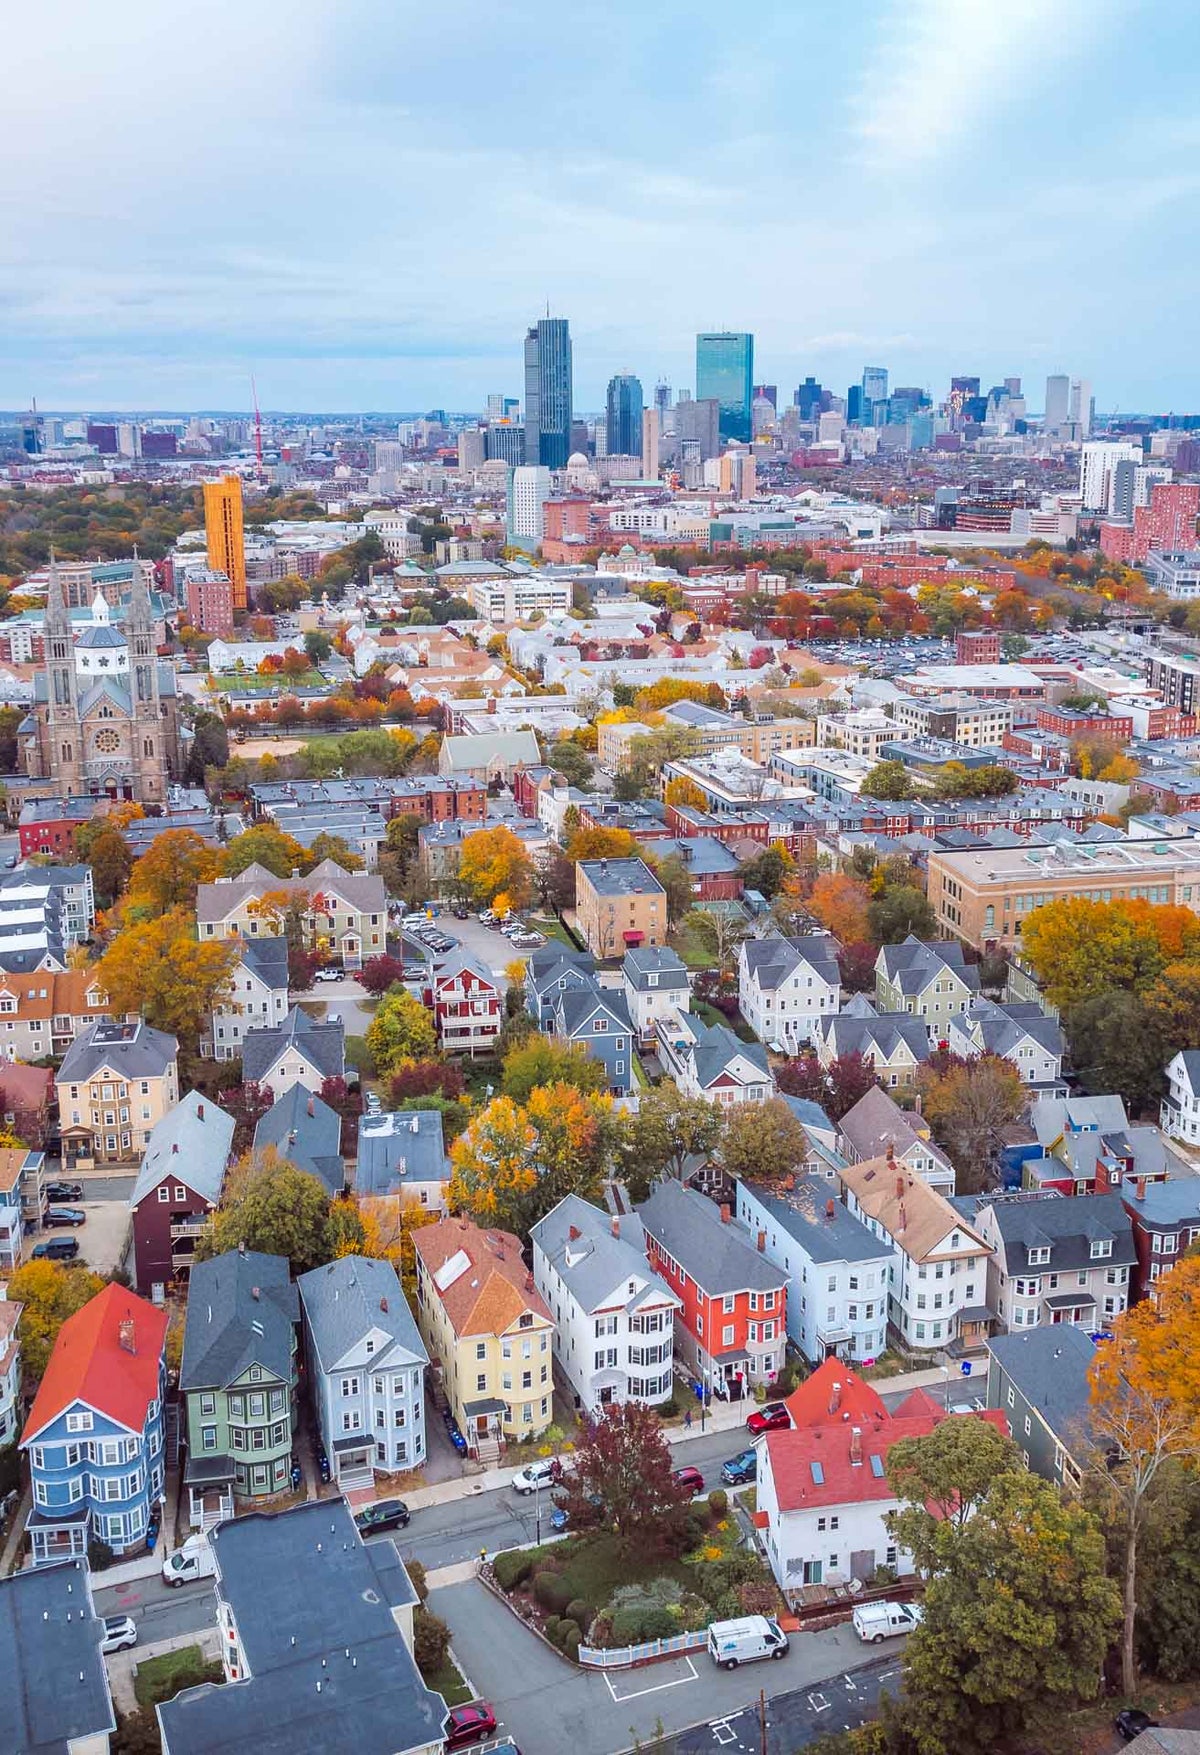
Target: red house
{"type": "Point", "coordinates": [468, 1006]}
{"type": "Point", "coordinates": [177, 1187]}
{"type": "Point", "coordinates": [732, 1329]}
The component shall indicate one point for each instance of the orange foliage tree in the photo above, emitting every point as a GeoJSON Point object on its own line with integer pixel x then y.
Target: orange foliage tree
{"type": "Point", "coordinates": [841, 903]}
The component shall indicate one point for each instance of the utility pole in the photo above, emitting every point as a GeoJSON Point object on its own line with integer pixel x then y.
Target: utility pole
{"type": "Point", "coordinates": [762, 1717]}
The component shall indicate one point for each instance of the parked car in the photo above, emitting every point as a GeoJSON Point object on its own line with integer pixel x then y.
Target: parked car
{"type": "Point", "coordinates": [461, 913]}
{"type": "Point", "coordinates": [64, 1216]}
{"type": "Point", "coordinates": [689, 1477]}
{"type": "Point", "coordinates": [740, 1469]}
{"type": "Point", "coordinates": [536, 1474]}
{"type": "Point", "coordinates": [771, 1418]}
{"type": "Point", "coordinates": [328, 975]}
{"type": "Point", "coordinates": [120, 1632]}
{"type": "Point", "coordinates": [385, 1514]}
{"type": "Point", "coordinates": [1131, 1721]}
{"type": "Point", "coordinates": [56, 1249]}
{"type": "Point", "coordinates": [468, 1724]}
{"type": "Point", "coordinates": [413, 920]}
{"type": "Point", "coordinates": [875, 1622]}
{"type": "Point", "coordinates": [63, 1191]}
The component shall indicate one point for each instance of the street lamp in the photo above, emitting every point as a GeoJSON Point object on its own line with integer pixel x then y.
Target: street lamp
{"type": "Point", "coordinates": [537, 1510]}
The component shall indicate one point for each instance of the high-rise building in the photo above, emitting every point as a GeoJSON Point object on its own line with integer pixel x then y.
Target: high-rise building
{"type": "Point", "coordinates": [651, 433]}
{"type": "Point", "coordinates": [471, 448]}
{"type": "Point", "coordinates": [1080, 403]}
{"type": "Point", "coordinates": [224, 535]}
{"type": "Point", "coordinates": [1058, 396]}
{"type": "Point", "coordinates": [662, 397]}
{"type": "Point", "coordinates": [506, 441]}
{"type": "Point", "coordinates": [1132, 484]}
{"type": "Point", "coordinates": [725, 375]}
{"type": "Point", "coordinates": [770, 392]}
{"type": "Point", "coordinates": [528, 490]}
{"type": "Point", "coordinates": [874, 393]}
{"type": "Point", "coordinates": [808, 399]}
{"type": "Point", "coordinates": [548, 393]}
{"type": "Point", "coordinates": [854, 405]}
{"type": "Point", "coordinates": [1097, 471]}
{"type": "Point", "coordinates": [623, 428]}
{"type": "Point", "coordinates": [699, 422]}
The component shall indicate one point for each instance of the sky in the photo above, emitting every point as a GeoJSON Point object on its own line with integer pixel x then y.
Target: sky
{"type": "Point", "coordinates": [365, 204]}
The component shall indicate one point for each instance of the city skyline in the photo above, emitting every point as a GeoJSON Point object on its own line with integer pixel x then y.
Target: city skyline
{"type": "Point", "coordinates": [951, 165]}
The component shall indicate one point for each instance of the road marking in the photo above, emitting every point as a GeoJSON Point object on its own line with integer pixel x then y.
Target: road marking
{"type": "Point", "coordinates": [659, 1687]}
{"type": "Point", "coordinates": [818, 1702]}
{"type": "Point", "coordinates": [723, 1731]}
{"type": "Point", "coordinates": [853, 1686]}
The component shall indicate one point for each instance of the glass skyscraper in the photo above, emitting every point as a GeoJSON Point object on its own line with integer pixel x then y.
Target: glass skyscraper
{"type": "Point", "coordinates": [725, 373]}
{"type": "Point", "coordinates": [624, 425]}
{"type": "Point", "coordinates": [548, 393]}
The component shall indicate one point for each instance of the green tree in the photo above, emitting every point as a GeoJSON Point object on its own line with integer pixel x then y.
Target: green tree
{"type": "Point", "coordinates": [547, 1060]}
{"type": "Point", "coordinates": [888, 780]}
{"type": "Point", "coordinates": [102, 846]}
{"type": "Point", "coordinates": [335, 847]}
{"type": "Point", "coordinates": [270, 1205]}
{"type": "Point", "coordinates": [766, 871]}
{"type": "Point", "coordinates": [209, 749]}
{"type": "Point", "coordinates": [667, 1130]}
{"type": "Point", "coordinates": [573, 763]}
{"type": "Point", "coordinates": [401, 1029]}
{"type": "Point", "coordinates": [942, 1478]}
{"type": "Point", "coordinates": [898, 910]}
{"type": "Point", "coordinates": [317, 646]}
{"type": "Point", "coordinates": [763, 1140]}
{"type": "Point", "coordinates": [267, 846]}
{"type": "Point", "coordinates": [1116, 1046]}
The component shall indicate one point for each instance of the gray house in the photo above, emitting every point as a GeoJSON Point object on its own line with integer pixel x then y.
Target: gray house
{"type": "Point", "coordinates": [1040, 1383]}
{"type": "Point", "coordinates": [403, 1154]}
{"type": "Point", "coordinates": [597, 1018]}
{"type": "Point", "coordinates": [55, 1694]}
{"type": "Point", "coordinates": [308, 1133]}
{"type": "Point", "coordinates": [656, 984]}
{"type": "Point", "coordinates": [1057, 1262]}
{"type": "Point", "coordinates": [300, 1051]}
{"type": "Point", "coordinates": [366, 1368]}
{"type": "Point", "coordinates": [553, 970]}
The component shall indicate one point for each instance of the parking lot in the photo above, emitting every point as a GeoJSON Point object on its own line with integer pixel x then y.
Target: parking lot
{"type": "Point", "coordinates": [103, 1238]}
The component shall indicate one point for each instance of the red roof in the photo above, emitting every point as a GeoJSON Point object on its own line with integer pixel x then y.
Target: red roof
{"type": "Point", "coordinates": [817, 1466]}
{"type": "Point", "coordinates": [917, 1401]}
{"type": "Point", "coordinates": [89, 1363]}
{"type": "Point", "coordinates": [834, 1392]}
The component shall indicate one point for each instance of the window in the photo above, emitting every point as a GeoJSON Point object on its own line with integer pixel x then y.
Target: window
{"type": "Point", "coordinates": [79, 1422]}
{"type": "Point", "coordinates": [164, 1194]}
{"type": "Point", "coordinates": [727, 1335]}
{"type": "Point", "coordinates": [481, 1350]}
{"type": "Point", "coordinates": [1101, 1248]}
{"type": "Point", "coordinates": [208, 1405]}
{"type": "Point", "coordinates": [208, 1438]}
{"type": "Point", "coordinates": [481, 1382]}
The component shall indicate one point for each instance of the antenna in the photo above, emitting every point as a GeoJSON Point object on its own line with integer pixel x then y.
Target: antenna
{"type": "Point", "coordinates": [257, 427]}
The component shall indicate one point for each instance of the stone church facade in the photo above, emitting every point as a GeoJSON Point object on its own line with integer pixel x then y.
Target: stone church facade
{"type": "Point", "coordinates": [105, 718]}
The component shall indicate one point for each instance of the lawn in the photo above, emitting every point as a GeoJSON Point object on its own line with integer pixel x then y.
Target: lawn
{"type": "Point", "coordinates": [691, 947]}
{"type": "Point", "coordinates": [552, 929]}
{"type": "Point", "coordinates": [449, 1683]}
{"type": "Point", "coordinates": [712, 1015]}
{"type": "Point", "coordinates": [163, 1677]}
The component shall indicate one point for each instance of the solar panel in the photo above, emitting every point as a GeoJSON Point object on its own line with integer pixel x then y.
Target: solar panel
{"type": "Point", "coordinates": [818, 1474]}
{"type": "Point", "coordinates": [877, 1467]}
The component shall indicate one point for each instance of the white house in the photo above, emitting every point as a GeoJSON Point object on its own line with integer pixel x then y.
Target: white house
{"type": "Point", "coordinates": [656, 984]}
{"type": "Point", "coordinates": [367, 1366]}
{"type": "Point", "coordinates": [1020, 1033]}
{"type": "Point", "coordinates": [300, 1051]}
{"type": "Point", "coordinates": [615, 1317]}
{"type": "Point", "coordinates": [786, 986]}
{"type": "Point", "coordinates": [837, 1299]}
{"type": "Point", "coordinates": [709, 1061]}
{"type": "Point", "coordinates": [1179, 1116]}
{"type": "Point", "coordinates": [937, 1282]}
{"type": "Point", "coordinates": [257, 998]}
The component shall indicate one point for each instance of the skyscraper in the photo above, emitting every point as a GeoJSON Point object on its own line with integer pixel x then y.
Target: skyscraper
{"type": "Point", "coordinates": [624, 424]}
{"type": "Point", "coordinates": [1058, 392]}
{"type": "Point", "coordinates": [725, 374]}
{"type": "Point", "coordinates": [1079, 408]}
{"type": "Point", "coordinates": [651, 433]}
{"type": "Point", "coordinates": [224, 535]}
{"type": "Point", "coordinates": [548, 393]}
{"type": "Point", "coordinates": [874, 392]}
{"type": "Point", "coordinates": [699, 423]}
{"type": "Point", "coordinates": [528, 491]}
{"type": "Point", "coordinates": [808, 399]}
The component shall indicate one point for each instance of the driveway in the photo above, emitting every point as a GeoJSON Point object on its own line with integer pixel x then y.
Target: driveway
{"type": "Point", "coordinates": [104, 1238]}
{"type": "Point", "coordinates": [341, 999]}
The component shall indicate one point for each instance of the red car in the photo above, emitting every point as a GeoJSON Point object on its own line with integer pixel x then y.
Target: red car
{"type": "Point", "coordinates": [467, 1724]}
{"type": "Point", "coordinates": [769, 1419]}
{"type": "Point", "coordinates": [690, 1478]}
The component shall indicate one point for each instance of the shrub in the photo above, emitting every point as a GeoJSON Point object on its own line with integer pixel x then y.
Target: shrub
{"type": "Point", "coordinates": [571, 1640]}
{"type": "Point", "coordinates": [99, 1555]}
{"type": "Point", "coordinates": [552, 1627]}
{"type": "Point", "coordinates": [758, 1599]}
{"type": "Point", "coordinates": [728, 1606]}
{"type": "Point", "coordinates": [581, 1613]}
{"type": "Point", "coordinates": [718, 1502]}
{"type": "Point", "coordinates": [431, 1641]}
{"type": "Point", "coordinates": [633, 1626]}
{"type": "Point", "coordinates": [667, 1410]}
{"type": "Point", "coordinates": [552, 1591]}
{"type": "Point", "coordinates": [416, 1573]}
{"type": "Point", "coordinates": [512, 1568]}
{"type": "Point", "coordinates": [601, 1631]}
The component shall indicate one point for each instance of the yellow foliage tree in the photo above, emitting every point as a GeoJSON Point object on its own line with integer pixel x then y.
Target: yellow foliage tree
{"type": "Point", "coordinates": [514, 1162]}
{"type": "Point", "coordinates": [170, 871]}
{"type": "Point", "coordinates": [160, 969]}
{"type": "Point", "coordinates": [495, 861]}
{"type": "Point", "coordinates": [685, 792]}
{"type": "Point", "coordinates": [49, 1293]}
{"type": "Point", "coordinates": [600, 843]}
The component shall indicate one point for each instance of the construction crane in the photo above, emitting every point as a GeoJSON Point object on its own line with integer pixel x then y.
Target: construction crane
{"type": "Point", "coordinates": [257, 428]}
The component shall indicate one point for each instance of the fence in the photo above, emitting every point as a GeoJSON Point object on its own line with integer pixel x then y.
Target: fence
{"type": "Point", "coordinates": [626, 1657]}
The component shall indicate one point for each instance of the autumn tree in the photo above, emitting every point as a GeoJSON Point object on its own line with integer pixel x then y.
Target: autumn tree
{"type": "Point", "coordinates": [600, 843]}
{"type": "Point", "coordinates": [158, 968]}
{"type": "Point", "coordinates": [379, 973]}
{"type": "Point", "coordinates": [495, 861]}
{"type": "Point", "coordinates": [1079, 949]}
{"type": "Point", "coordinates": [547, 1060]}
{"type": "Point", "coordinates": [767, 871]}
{"type": "Point", "coordinates": [1173, 1005]}
{"type": "Point", "coordinates": [667, 1130]}
{"type": "Point", "coordinates": [385, 1227]}
{"type": "Point", "coordinates": [684, 792]}
{"type": "Point", "coordinates": [49, 1292]}
{"type": "Point", "coordinates": [841, 903]}
{"type": "Point", "coordinates": [102, 846]}
{"type": "Point", "coordinates": [856, 966]}
{"type": "Point", "coordinates": [969, 1104]}
{"type": "Point", "coordinates": [763, 1141]}
{"type": "Point", "coordinates": [402, 1029]}
{"type": "Point", "coordinates": [336, 847]}
{"type": "Point", "coordinates": [271, 1206]}
{"type": "Point", "coordinates": [171, 870]}
{"type": "Point", "coordinates": [268, 846]}
{"type": "Point", "coordinates": [622, 1476]}
{"type": "Point", "coordinates": [514, 1162]}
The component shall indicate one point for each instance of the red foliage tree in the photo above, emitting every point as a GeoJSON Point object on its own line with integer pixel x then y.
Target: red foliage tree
{"type": "Point", "coordinates": [426, 1078]}
{"type": "Point", "coordinates": [379, 973]}
{"type": "Point", "coordinates": [622, 1478]}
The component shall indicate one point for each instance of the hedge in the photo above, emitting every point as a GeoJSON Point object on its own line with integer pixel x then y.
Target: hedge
{"type": "Point", "coordinates": [512, 1568]}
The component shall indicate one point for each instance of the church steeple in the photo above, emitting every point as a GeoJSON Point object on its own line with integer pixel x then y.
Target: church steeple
{"type": "Point", "coordinates": [143, 658]}
{"type": "Point", "coordinates": [60, 648]}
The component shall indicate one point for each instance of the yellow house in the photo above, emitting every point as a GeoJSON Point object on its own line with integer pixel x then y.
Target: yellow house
{"type": "Point", "coordinates": [619, 904]}
{"type": "Point", "coordinates": [115, 1084]}
{"type": "Point", "coordinates": [488, 1331]}
{"type": "Point", "coordinates": [344, 913]}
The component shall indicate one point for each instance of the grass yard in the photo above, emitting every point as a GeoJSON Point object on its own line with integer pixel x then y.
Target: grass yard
{"type": "Point", "coordinates": [595, 1568]}
{"type": "Point", "coordinates": [449, 1683]}
{"type": "Point", "coordinates": [712, 1015]}
{"type": "Point", "coordinates": [163, 1677]}
{"type": "Point", "coordinates": [552, 930]}
{"type": "Point", "coordinates": [691, 947]}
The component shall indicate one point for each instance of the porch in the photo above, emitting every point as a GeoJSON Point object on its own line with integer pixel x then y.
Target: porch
{"type": "Point", "coordinates": [483, 1427]}
{"type": "Point", "coordinates": [58, 1538]}
{"type": "Point", "coordinates": [209, 1481]}
{"type": "Point", "coordinates": [354, 1463]}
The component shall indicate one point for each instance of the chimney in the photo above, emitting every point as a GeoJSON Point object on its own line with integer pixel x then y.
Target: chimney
{"type": "Point", "coordinates": [835, 1398]}
{"type": "Point", "coordinates": [199, 1112]}
{"type": "Point", "coordinates": [616, 1225]}
{"type": "Point", "coordinates": [891, 1153]}
{"type": "Point", "coordinates": [125, 1337]}
{"type": "Point", "coordinates": [762, 1243]}
{"type": "Point", "coordinates": [726, 1215]}
{"type": "Point", "coordinates": [830, 1209]}
{"type": "Point", "coordinates": [255, 1293]}
{"type": "Point", "coordinates": [917, 1103]}
{"type": "Point", "coordinates": [903, 1217]}
{"type": "Point", "coordinates": [174, 1147]}
{"type": "Point", "coordinates": [573, 1232]}
{"type": "Point", "coordinates": [310, 1108]}
{"type": "Point", "coordinates": [383, 1305]}
{"type": "Point", "coordinates": [1140, 1187]}
{"type": "Point", "coordinates": [856, 1447]}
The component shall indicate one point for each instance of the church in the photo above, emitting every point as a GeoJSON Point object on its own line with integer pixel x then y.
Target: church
{"type": "Point", "coordinates": [105, 718]}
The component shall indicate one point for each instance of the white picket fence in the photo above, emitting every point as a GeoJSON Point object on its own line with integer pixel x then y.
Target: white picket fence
{"type": "Point", "coordinates": [624, 1657]}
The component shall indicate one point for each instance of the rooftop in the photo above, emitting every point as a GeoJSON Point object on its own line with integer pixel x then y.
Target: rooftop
{"type": "Point", "coordinates": [55, 1695]}
{"type": "Point", "coordinates": [108, 1355]}
{"type": "Point", "coordinates": [620, 877]}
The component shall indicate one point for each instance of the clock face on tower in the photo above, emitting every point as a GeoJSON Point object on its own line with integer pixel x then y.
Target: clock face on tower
{"type": "Point", "coordinates": [108, 741]}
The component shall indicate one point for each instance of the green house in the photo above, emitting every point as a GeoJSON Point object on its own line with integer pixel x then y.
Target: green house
{"type": "Point", "coordinates": [238, 1381]}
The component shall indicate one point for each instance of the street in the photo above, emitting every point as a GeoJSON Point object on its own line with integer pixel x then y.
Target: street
{"type": "Point", "coordinates": [162, 1611]}
{"type": "Point", "coordinates": [793, 1719]}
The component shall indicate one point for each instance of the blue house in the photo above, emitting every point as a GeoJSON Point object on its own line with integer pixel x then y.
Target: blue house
{"type": "Point", "coordinates": [94, 1437]}
{"type": "Point", "coordinates": [598, 1019]}
{"type": "Point", "coordinates": [553, 970]}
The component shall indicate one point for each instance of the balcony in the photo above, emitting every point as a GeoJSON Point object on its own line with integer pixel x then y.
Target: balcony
{"type": "Point", "coordinates": [190, 1227]}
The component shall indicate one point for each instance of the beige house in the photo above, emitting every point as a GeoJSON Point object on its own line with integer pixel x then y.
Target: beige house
{"type": "Point", "coordinates": [116, 1083]}
{"type": "Point", "coordinates": [344, 913]}
{"type": "Point", "coordinates": [42, 1013]}
{"type": "Point", "coordinates": [619, 904]}
{"type": "Point", "coordinates": [488, 1331]}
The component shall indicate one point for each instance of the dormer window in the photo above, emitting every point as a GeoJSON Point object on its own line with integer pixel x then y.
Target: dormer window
{"type": "Point", "coordinates": [1039, 1257]}
{"type": "Point", "coordinates": [1102, 1249]}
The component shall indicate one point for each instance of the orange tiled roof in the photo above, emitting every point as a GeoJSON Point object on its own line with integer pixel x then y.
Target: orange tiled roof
{"type": "Point", "coordinates": [494, 1290]}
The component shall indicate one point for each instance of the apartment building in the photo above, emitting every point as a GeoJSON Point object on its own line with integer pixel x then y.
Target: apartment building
{"type": "Point", "coordinates": [1056, 1260]}
{"type": "Point", "coordinates": [499, 595]}
{"type": "Point", "coordinates": [116, 1083]}
{"type": "Point", "coordinates": [619, 903]}
{"type": "Point", "coordinates": [953, 718]}
{"type": "Point", "coordinates": [343, 913]}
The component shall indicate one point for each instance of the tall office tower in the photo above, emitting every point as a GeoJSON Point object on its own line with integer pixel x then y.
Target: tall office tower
{"type": "Point", "coordinates": [699, 422]}
{"type": "Point", "coordinates": [874, 391]}
{"type": "Point", "coordinates": [505, 441]}
{"type": "Point", "coordinates": [224, 535]}
{"type": "Point", "coordinates": [1080, 403]}
{"type": "Point", "coordinates": [662, 400]}
{"type": "Point", "coordinates": [651, 432]}
{"type": "Point", "coordinates": [725, 375]}
{"type": "Point", "coordinates": [771, 392]}
{"type": "Point", "coordinates": [548, 393]}
{"type": "Point", "coordinates": [1058, 398]}
{"type": "Point", "coordinates": [854, 405]}
{"type": "Point", "coordinates": [528, 490]}
{"type": "Point", "coordinates": [964, 387]}
{"type": "Point", "coordinates": [762, 416]}
{"type": "Point", "coordinates": [1097, 472]}
{"type": "Point", "coordinates": [623, 427]}
{"type": "Point", "coordinates": [1012, 386]}
{"type": "Point", "coordinates": [495, 405]}
{"type": "Point", "coordinates": [471, 448]}
{"type": "Point", "coordinates": [808, 399]}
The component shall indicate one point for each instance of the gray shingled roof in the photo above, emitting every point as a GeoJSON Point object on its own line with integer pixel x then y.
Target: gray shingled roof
{"type": "Point", "coordinates": [577, 1007]}
{"type": "Point", "coordinates": [719, 1256]}
{"type": "Point", "coordinates": [191, 1144]}
{"type": "Point", "coordinates": [824, 1235]}
{"type": "Point", "coordinates": [1049, 1366]}
{"type": "Point", "coordinates": [859, 1029]}
{"type": "Point", "coordinates": [322, 1044]}
{"type": "Point", "coordinates": [55, 1689]}
{"type": "Point", "coordinates": [1068, 1227]}
{"type": "Point", "coordinates": [308, 1133]}
{"type": "Point", "coordinates": [1002, 1028]}
{"type": "Point", "coordinates": [913, 964]}
{"type": "Point", "coordinates": [645, 960]}
{"type": "Point", "coordinates": [715, 1047]}
{"type": "Point", "coordinates": [133, 1051]}
{"type": "Point", "coordinates": [362, 890]}
{"type": "Point", "coordinates": [220, 1337]}
{"type": "Point", "coordinates": [398, 1149]}
{"type": "Point", "coordinates": [266, 958]}
{"type": "Point", "coordinates": [596, 1265]}
{"type": "Point", "coordinates": [772, 961]}
{"type": "Point", "coordinates": [876, 1122]}
{"type": "Point", "coordinates": [350, 1298]}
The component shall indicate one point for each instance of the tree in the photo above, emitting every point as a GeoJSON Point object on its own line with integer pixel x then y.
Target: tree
{"type": "Point", "coordinates": [158, 968]}
{"type": "Point", "coordinates": [1116, 1046]}
{"type": "Point", "coordinates": [1018, 1615]}
{"type": "Point", "coordinates": [942, 1478]}
{"type": "Point", "coordinates": [171, 870]}
{"type": "Point", "coordinates": [50, 1293]}
{"type": "Point", "coordinates": [763, 1141]}
{"type": "Point", "coordinates": [573, 763]}
{"type": "Point", "coordinates": [667, 1130]}
{"type": "Point", "coordinates": [856, 966]}
{"type": "Point", "coordinates": [1080, 949]}
{"type": "Point", "coordinates": [336, 847]}
{"type": "Point", "coordinates": [766, 871]}
{"type": "Point", "coordinates": [684, 792]}
{"type": "Point", "coordinates": [401, 1029]}
{"type": "Point", "coordinates": [969, 1104]}
{"type": "Point", "coordinates": [888, 780]}
{"type": "Point", "coordinates": [848, 1077]}
{"type": "Point", "coordinates": [514, 1162]}
{"type": "Point", "coordinates": [1173, 1005]}
{"type": "Point", "coordinates": [546, 1060]}
{"type": "Point", "coordinates": [900, 909]}
{"type": "Point", "coordinates": [1168, 1575]}
{"type": "Point", "coordinates": [676, 880]}
{"type": "Point", "coordinates": [267, 846]}
{"type": "Point", "coordinates": [270, 1205]}
{"type": "Point", "coordinates": [600, 843]}
{"type": "Point", "coordinates": [431, 1642]}
{"type": "Point", "coordinates": [840, 903]}
{"type": "Point", "coordinates": [622, 1475]}
{"type": "Point", "coordinates": [554, 876]}
{"type": "Point", "coordinates": [104, 848]}
{"type": "Point", "coordinates": [803, 1077]}
{"type": "Point", "coordinates": [317, 646]}
{"type": "Point", "coordinates": [494, 861]}
{"type": "Point", "coordinates": [210, 747]}
{"type": "Point", "coordinates": [379, 973]}
{"type": "Point", "coordinates": [720, 932]}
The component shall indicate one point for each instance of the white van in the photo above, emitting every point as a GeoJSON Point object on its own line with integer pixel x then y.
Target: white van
{"type": "Point", "coordinates": [731, 1643]}
{"type": "Point", "coordinates": [194, 1560]}
{"type": "Point", "coordinates": [876, 1621]}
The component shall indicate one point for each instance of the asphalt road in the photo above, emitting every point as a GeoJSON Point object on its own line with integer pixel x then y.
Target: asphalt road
{"type": "Point", "coordinates": [794, 1719]}
{"type": "Point", "coordinates": [162, 1611]}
